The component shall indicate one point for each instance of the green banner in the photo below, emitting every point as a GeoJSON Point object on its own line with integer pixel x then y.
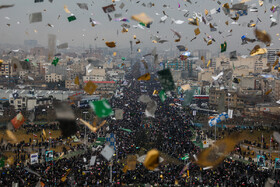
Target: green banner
{"type": "Point", "coordinates": [2, 162]}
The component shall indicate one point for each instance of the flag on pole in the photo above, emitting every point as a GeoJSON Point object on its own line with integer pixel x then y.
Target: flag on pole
{"type": "Point", "coordinates": [18, 120]}
{"type": "Point", "coordinates": [102, 108]}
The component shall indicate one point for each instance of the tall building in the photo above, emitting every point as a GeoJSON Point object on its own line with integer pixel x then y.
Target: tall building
{"type": "Point", "coordinates": [30, 43]}
{"type": "Point", "coordinates": [4, 68]}
{"type": "Point", "coordinates": [271, 55]}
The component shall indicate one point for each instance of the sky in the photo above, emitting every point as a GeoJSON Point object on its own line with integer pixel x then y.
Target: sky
{"type": "Point", "coordinates": [80, 32]}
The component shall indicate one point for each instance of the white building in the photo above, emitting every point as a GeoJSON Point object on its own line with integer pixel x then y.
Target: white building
{"type": "Point", "coordinates": [53, 77]}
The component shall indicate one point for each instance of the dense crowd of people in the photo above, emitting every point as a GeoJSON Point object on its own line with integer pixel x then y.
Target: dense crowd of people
{"type": "Point", "coordinates": [170, 132]}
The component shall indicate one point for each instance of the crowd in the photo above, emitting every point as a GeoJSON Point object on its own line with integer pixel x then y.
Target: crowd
{"type": "Point", "coordinates": [170, 132]}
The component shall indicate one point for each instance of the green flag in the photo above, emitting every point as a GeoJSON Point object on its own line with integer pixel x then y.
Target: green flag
{"type": "Point", "coordinates": [55, 61]}
{"type": "Point", "coordinates": [102, 108]}
{"type": "Point", "coordinates": [127, 130]}
{"type": "Point", "coordinates": [186, 157]}
{"type": "Point", "coordinates": [71, 18]}
{"type": "Point", "coordinates": [2, 162]}
{"type": "Point", "coordinates": [26, 60]}
{"type": "Point", "coordinates": [162, 96]}
{"type": "Point", "coordinates": [223, 47]}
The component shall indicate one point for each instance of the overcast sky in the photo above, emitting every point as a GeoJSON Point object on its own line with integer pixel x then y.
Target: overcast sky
{"type": "Point", "coordinates": [80, 31]}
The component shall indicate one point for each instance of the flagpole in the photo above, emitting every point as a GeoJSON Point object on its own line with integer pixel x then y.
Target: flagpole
{"type": "Point", "coordinates": [270, 147]}
{"type": "Point", "coordinates": [262, 143]}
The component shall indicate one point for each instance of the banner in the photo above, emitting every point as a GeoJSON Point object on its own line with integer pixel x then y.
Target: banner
{"type": "Point", "coordinates": [261, 160]}
{"type": "Point", "coordinates": [49, 156]}
{"type": "Point", "coordinates": [92, 161]}
{"type": "Point", "coordinates": [230, 113]}
{"type": "Point", "coordinates": [34, 158]}
{"type": "Point", "coordinates": [205, 144]}
{"type": "Point", "coordinates": [194, 112]}
{"type": "Point", "coordinates": [277, 163]}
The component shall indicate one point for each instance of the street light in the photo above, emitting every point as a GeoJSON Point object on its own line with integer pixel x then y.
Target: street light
{"type": "Point", "coordinates": [85, 112]}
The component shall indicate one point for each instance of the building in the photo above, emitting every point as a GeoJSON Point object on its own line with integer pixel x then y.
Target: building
{"type": "Point", "coordinates": [39, 51]}
{"type": "Point", "coordinates": [105, 87]}
{"type": "Point", "coordinates": [30, 43]}
{"type": "Point", "coordinates": [19, 103]}
{"type": "Point", "coordinates": [276, 90]}
{"type": "Point", "coordinates": [5, 68]}
{"type": "Point", "coordinates": [29, 103]}
{"type": "Point", "coordinates": [115, 75]}
{"type": "Point", "coordinates": [53, 77]}
{"type": "Point", "coordinates": [95, 74]}
{"type": "Point", "coordinates": [272, 55]}
{"type": "Point", "coordinates": [241, 66]}
{"type": "Point", "coordinates": [206, 75]}
{"type": "Point", "coordinates": [231, 101]}
{"type": "Point", "coordinates": [69, 84]}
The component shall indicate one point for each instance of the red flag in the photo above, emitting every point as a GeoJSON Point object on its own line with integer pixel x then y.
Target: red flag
{"type": "Point", "coordinates": [271, 139]}
{"type": "Point", "coordinates": [35, 135]}
{"type": "Point", "coordinates": [18, 120]}
{"type": "Point", "coordinates": [50, 133]}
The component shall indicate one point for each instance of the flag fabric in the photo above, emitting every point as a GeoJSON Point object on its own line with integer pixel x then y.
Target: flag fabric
{"type": "Point", "coordinates": [271, 139]}
{"type": "Point", "coordinates": [223, 47]}
{"type": "Point", "coordinates": [162, 95]}
{"type": "Point", "coordinates": [50, 133]}
{"type": "Point", "coordinates": [102, 108]}
{"type": "Point", "coordinates": [18, 120]}
{"type": "Point", "coordinates": [35, 135]}
{"type": "Point", "coordinates": [55, 61]}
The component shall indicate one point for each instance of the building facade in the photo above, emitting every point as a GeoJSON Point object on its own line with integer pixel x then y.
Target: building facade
{"type": "Point", "coordinates": [53, 77]}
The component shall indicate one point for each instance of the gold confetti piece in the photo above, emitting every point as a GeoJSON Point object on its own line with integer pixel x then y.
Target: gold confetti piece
{"type": "Point", "coordinates": [257, 50]}
{"type": "Point", "coordinates": [197, 31]}
{"type": "Point", "coordinates": [93, 129]}
{"type": "Point", "coordinates": [263, 36]}
{"type": "Point", "coordinates": [115, 54]}
{"type": "Point", "coordinates": [131, 162]}
{"type": "Point", "coordinates": [90, 87]}
{"type": "Point", "coordinates": [152, 159]}
{"type": "Point", "coordinates": [209, 62]}
{"type": "Point", "coordinates": [206, 12]}
{"type": "Point", "coordinates": [134, 37]}
{"type": "Point", "coordinates": [268, 92]}
{"type": "Point", "coordinates": [66, 9]}
{"type": "Point", "coordinates": [143, 18]}
{"type": "Point", "coordinates": [124, 30]}
{"type": "Point", "coordinates": [214, 155]}
{"type": "Point", "coordinates": [110, 44]}
{"type": "Point", "coordinates": [11, 135]}
{"type": "Point", "coordinates": [275, 63]}
{"type": "Point", "coordinates": [145, 77]}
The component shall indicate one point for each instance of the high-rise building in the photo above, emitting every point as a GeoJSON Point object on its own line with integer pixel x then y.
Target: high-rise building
{"type": "Point", "coordinates": [30, 43]}
{"type": "Point", "coordinates": [272, 55]}
{"type": "Point", "coordinates": [4, 68]}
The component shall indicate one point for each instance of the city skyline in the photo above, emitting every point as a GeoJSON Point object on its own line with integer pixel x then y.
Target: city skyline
{"type": "Point", "coordinates": [81, 33]}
